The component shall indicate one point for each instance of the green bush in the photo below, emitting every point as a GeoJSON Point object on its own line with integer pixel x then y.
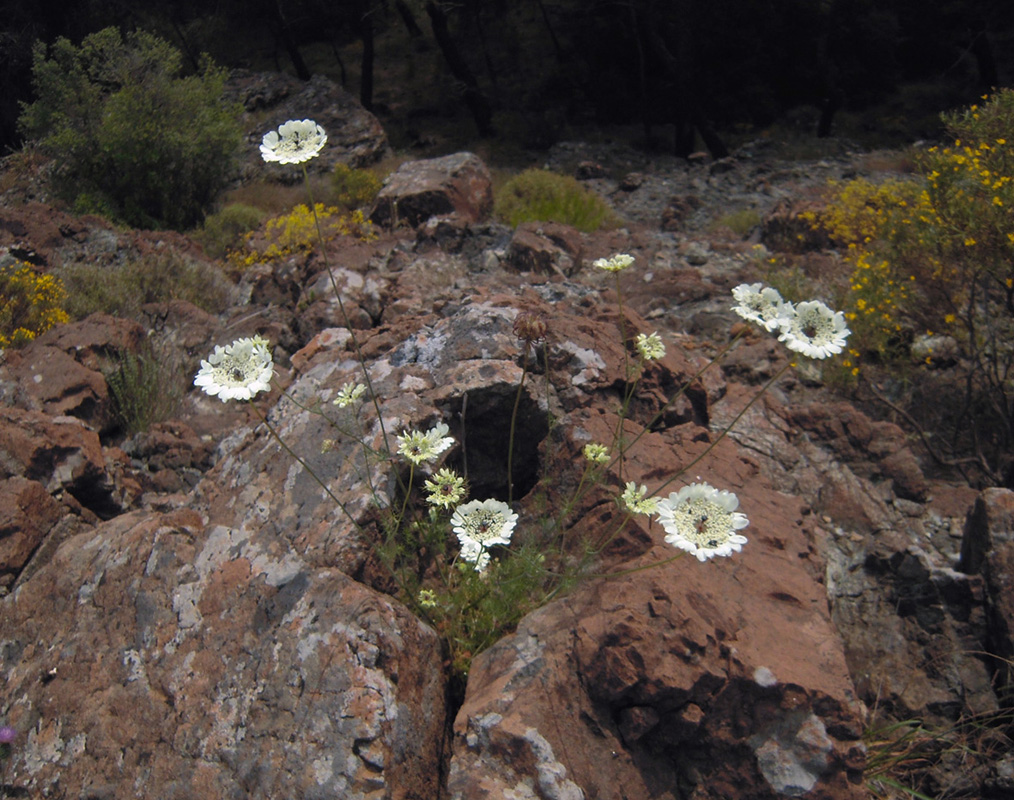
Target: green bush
{"type": "Point", "coordinates": [133, 138]}
{"type": "Point", "coordinates": [147, 387]}
{"type": "Point", "coordinates": [157, 278]}
{"type": "Point", "coordinates": [538, 195]}
{"type": "Point", "coordinates": [223, 231]}
{"type": "Point", "coordinates": [354, 188]}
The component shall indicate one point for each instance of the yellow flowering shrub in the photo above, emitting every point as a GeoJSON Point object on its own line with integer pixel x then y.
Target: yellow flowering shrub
{"type": "Point", "coordinates": [934, 253]}
{"type": "Point", "coordinates": [296, 232]}
{"type": "Point", "coordinates": [30, 303]}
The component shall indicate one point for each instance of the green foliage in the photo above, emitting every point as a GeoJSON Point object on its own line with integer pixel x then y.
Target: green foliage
{"type": "Point", "coordinates": [30, 303]}
{"type": "Point", "coordinates": [135, 140]}
{"type": "Point", "coordinates": [224, 230]}
{"type": "Point", "coordinates": [537, 195]}
{"type": "Point", "coordinates": [146, 387]}
{"type": "Point", "coordinates": [739, 222]}
{"type": "Point", "coordinates": [354, 188]}
{"type": "Point", "coordinates": [155, 278]}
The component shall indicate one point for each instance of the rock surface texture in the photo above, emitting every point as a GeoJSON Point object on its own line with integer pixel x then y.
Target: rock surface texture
{"type": "Point", "coordinates": [188, 612]}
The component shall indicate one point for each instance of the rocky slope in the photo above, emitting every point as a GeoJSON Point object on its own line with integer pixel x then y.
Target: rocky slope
{"type": "Point", "coordinates": [186, 613]}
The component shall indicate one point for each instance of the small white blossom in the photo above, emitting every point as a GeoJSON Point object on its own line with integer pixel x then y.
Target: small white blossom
{"type": "Point", "coordinates": [294, 142]}
{"type": "Point", "coordinates": [446, 489]}
{"type": "Point", "coordinates": [596, 453]}
{"type": "Point", "coordinates": [427, 598]}
{"type": "Point", "coordinates": [419, 447]}
{"type": "Point", "coordinates": [237, 371]}
{"type": "Point", "coordinates": [814, 330]}
{"type": "Point", "coordinates": [349, 394]}
{"type": "Point", "coordinates": [650, 347]}
{"type": "Point", "coordinates": [703, 521]}
{"type": "Point", "coordinates": [760, 304]}
{"type": "Point", "coordinates": [634, 499]}
{"type": "Point", "coordinates": [618, 262]}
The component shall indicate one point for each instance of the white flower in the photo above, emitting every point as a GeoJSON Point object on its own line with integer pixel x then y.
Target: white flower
{"type": "Point", "coordinates": [428, 598]}
{"type": "Point", "coordinates": [596, 453]}
{"type": "Point", "coordinates": [480, 524]}
{"type": "Point", "coordinates": [703, 521]}
{"type": "Point", "coordinates": [618, 262]}
{"type": "Point", "coordinates": [760, 304]}
{"type": "Point", "coordinates": [348, 394]}
{"type": "Point", "coordinates": [650, 347]}
{"type": "Point", "coordinates": [294, 142]}
{"type": "Point", "coordinates": [634, 499]}
{"type": "Point", "coordinates": [814, 330]}
{"type": "Point", "coordinates": [237, 371]}
{"type": "Point", "coordinates": [418, 447]}
{"type": "Point", "coordinates": [446, 489]}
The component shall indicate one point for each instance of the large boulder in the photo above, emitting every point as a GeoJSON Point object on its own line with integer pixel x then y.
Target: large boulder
{"type": "Point", "coordinates": [458, 184]}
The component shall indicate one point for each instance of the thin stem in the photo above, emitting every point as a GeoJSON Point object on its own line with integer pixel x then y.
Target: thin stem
{"type": "Point", "coordinates": [514, 419]}
{"type": "Point", "coordinates": [341, 306]}
{"type": "Point", "coordinates": [618, 436]}
{"type": "Point", "coordinates": [408, 491]}
{"type": "Point", "coordinates": [302, 462]}
{"type": "Point", "coordinates": [711, 446]}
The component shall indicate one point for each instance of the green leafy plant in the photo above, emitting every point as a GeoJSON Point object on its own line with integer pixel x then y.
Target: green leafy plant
{"type": "Point", "coordinates": [537, 195]}
{"type": "Point", "coordinates": [158, 277]}
{"type": "Point", "coordinates": [224, 230]}
{"type": "Point", "coordinates": [30, 303]}
{"type": "Point", "coordinates": [134, 139]}
{"type": "Point", "coordinates": [146, 387]}
{"type": "Point", "coordinates": [353, 188]}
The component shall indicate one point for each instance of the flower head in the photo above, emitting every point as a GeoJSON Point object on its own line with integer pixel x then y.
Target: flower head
{"type": "Point", "coordinates": [703, 521]}
{"type": "Point", "coordinates": [530, 327]}
{"type": "Point", "coordinates": [427, 598]}
{"type": "Point", "coordinates": [814, 330]}
{"type": "Point", "coordinates": [237, 371]}
{"type": "Point", "coordinates": [294, 142]}
{"type": "Point", "coordinates": [636, 502]}
{"type": "Point", "coordinates": [480, 524]}
{"type": "Point", "coordinates": [446, 489]}
{"type": "Point", "coordinates": [348, 394]}
{"type": "Point", "coordinates": [617, 263]}
{"type": "Point", "coordinates": [419, 447]}
{"type": "Point", "coordinates": [7, 734]}
{"type": "Point", "coordinates": [760, 304]}
{"type": "Point", "coordinates": [596, 453]}
{"type": "Point", "coordinates": [650, 347]}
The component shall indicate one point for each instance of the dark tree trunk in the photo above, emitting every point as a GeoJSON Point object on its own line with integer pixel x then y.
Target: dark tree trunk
{"type": "Point", "coordinates": [366, 33]}
{"type": "Point", "coordinates": [477, 104]}
{"type": "Point", "coordinates": [828, 108]}
{"type": "Point", "coordinates": [982, 49]}
{"type": "Point", "coordinates": [408, 18]}
{"type": "Point", "coordinates": [289, 43]}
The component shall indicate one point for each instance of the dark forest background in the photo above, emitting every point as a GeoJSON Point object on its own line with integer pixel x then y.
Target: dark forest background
{"type": "Point", "coordinates": [688, 73]}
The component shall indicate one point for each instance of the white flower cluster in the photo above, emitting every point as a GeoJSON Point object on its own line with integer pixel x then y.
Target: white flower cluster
{"type": "Point", "coordinates": [809, 328]}
{"type": "Point", "coordinates": [703, 521]}
{"type": "Point", "coordinates": [419, 447]}
{"type": "Point", "coordinates": [479, 525]}
{"type": "Point", "coordinates": [616, 263]}
{"type": "Point", "coordinates": [294, 142]}
{"type": "Point", "coordinates": [237, 371]}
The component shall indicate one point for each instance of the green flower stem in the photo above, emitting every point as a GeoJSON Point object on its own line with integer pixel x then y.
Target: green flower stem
{"type": "Point", "coordinates": [302, 462]}
{"type": "Point", "coordinates": [682, 391]}
{"type": "Point", "coordinates": [367, 450]}
{"type": "Point", "coordinates": [618, 436]}
{"type": "Point", "coordinates": [345, 316]}
{"type": "Point", "coordinates": [408, 491]}
{"type": "Point", "coordinates": [514, 420]}
{"type": "Point", "coordinates": [711, 446]}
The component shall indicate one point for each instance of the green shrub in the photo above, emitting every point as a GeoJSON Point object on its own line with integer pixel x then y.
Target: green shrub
{"type": "Point", "coordinates": [156, 278]}
{"type": "Point", "coordinates": [538, 195]}
{"type": "Point", "coordinates": [223, 231]}
{"type": "Point", "coordinates": [147, 387]}
{"type": "Point", "coordinates": [134, 139]}
{"type": "Point", "coordinates": [354, 188]}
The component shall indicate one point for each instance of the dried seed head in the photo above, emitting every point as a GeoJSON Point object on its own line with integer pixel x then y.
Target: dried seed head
{"type": "Point", "coordinates": [530, 327]}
